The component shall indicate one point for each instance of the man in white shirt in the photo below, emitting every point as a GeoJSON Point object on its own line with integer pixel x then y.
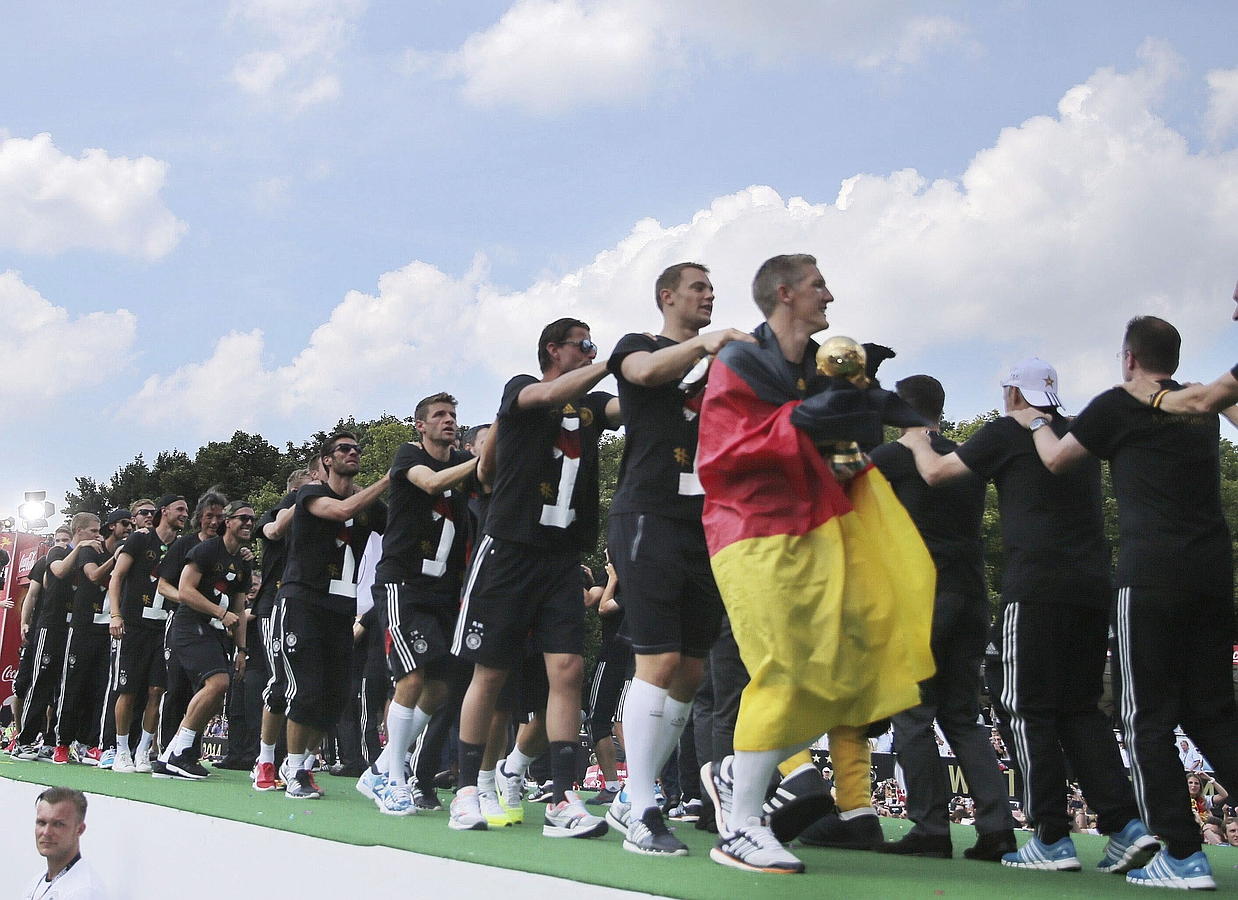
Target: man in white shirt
{"type": "Point", "coordinates": [59, 822]}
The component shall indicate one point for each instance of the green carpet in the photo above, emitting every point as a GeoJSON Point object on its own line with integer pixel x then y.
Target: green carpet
{"type": "Point", "coordinates": [344, 815]}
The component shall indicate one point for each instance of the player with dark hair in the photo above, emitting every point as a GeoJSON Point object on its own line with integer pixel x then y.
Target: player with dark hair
{"type": "Point", "coordinates": [317, 604]}
{"type": "Point", "coordinates": [418, 582]}
{"type": "Point", "coordinates": [211, 592]}
{"type": "Point", "coordinates": [1175, 570]}
{"type": "Point", "coordinates": [526, 578]}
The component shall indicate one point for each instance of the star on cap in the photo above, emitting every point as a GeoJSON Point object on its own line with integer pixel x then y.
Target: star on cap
{"type": "Point", "coordinates": [1048, 381]}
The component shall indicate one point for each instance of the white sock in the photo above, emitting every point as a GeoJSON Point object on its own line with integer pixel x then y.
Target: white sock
{"type": "Point", "coordinates": [296, 761]}
{"type": "Point", "coordinates": [122, 745]}
{"type": "Point", "coordinates": [182, 741]}
{"type": "Point", "coordinates": [751, 771]}
{"type": "Point", "coordinates": [644, 723]}
{"type": "Point", "coordinates": [517, 763]}
{"type": "Point", "coordinates": [266, 753]}
{"type": "Point", "coordinates": [675, 715]}
{"type": "Point", "coordinates": [485, 780]}
{"type": "Point", "coordinates": [145, 741]}
{"type": "Point", "coordinates": [613, 786]}
{"type": "Point", "coordinates": [399, 739]}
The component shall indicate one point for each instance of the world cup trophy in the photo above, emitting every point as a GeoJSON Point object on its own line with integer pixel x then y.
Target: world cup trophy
{"type": "Point", "coordinates": [844, 357]}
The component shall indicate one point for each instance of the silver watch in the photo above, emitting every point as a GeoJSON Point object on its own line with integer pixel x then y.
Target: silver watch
{"type": "Point", "coordinates": [1037, 423]}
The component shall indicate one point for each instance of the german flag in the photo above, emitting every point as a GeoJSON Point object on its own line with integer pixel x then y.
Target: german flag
{"type": "Point", "coordinates": [829, 589]}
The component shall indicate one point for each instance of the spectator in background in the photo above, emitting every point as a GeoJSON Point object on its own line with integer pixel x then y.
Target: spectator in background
{"type": "Point", "coordinates": [1203, 805]}
{"type": "Point", "coordinates": [1192, 759]}
{"type": "Point", "coordinates": [1231, 832]}
{"type": "Point", "coordinates": [1212, 833]}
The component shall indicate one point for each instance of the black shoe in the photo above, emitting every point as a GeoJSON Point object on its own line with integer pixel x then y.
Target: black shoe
{"type": "Point", "coordinates": [799, 800]}
{"type": "Point", "coordinates": [183, 765]}
{"type": "Point", "coordinates": [602, 798]}
{"type": "Point", "coordinates": [992, 845]}
{"type": "Point", "coordinates": [426, 798]}
{"type": "Point", "coordinates": [159, 769]}
{"type": "Point", "coordinates": [857, 833]}
{"type": "Point", "coordinates": [340, 770]}
{"type": "Point", "coordinates": [913, 843]}
{"type": "Point", "coordinates": [544, 793]}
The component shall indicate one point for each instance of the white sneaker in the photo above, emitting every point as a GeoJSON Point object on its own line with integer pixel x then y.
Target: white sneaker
{"type": "Point", "coordinates": [466, 811]}
{"type": "Point", "coordinates": [570, 819]}
{"type": "Point", "coordinates": [619, 813]}
{"type": "Point", "coordinates": [371, 784]}
{"type": "Point", "coordinates": [141, 762]}
{"type": "Point", "coordinates": [492, 809]}
{"type": "Point", "coordinates": [754, 848]}
{"type": "Point", "coordinates": [511, 794]}
{"type": "Point", "coordinates": [397, 800]}
{"type": "Point", "coordinates": [124, 763]}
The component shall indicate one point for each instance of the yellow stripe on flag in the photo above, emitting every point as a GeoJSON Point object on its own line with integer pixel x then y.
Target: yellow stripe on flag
{"type": "Point", "coordinates": [833, 625]}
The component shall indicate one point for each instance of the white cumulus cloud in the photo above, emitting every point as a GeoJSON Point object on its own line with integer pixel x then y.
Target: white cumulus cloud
{"type": "Point", "coordinates": [546, 56]}
{"type": "Point", "coordinates": [302, 40]}
{"type": "Point", "coordinates": [49, 353]}
{"type": "Point", "coordinates": [1221, 118]}
{"type": "Point", "coordinates": [51, 202]}
{"type": "Point", "coordinates": [1063, 228]}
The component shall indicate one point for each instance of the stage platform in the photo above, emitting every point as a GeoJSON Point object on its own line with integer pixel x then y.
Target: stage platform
{"type": "Point", "coordinates": [219, 836]}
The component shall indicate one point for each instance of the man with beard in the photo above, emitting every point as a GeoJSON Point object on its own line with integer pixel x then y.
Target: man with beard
{"type": "Point", "coordinates": [317, 604]}
{"type": "Point", "coordinates": [137, 623]}
{"type": "Point", "coordinates": [211, 593]}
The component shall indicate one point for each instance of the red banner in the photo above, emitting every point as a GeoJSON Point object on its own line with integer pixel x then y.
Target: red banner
{"type": "Point", "coordinates": [24, 551]}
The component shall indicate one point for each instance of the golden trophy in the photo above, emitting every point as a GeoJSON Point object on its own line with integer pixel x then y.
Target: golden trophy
{"type": "Point", "coordinates": [844, 357]}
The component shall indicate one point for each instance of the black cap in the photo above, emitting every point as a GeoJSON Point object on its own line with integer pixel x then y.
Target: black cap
{"type": "Point", "coordinates": [116, 515]}
{"type": "Point", "coordinates": [165, 500]}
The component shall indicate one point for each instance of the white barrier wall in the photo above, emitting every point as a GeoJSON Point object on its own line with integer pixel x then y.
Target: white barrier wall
{"type": "Point", "coordinates": [203, 858]}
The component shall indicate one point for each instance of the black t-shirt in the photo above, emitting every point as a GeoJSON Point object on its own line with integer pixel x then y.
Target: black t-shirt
{"type": "Point", "coordinates": [57, 592]}
{"type": "Point", "coordinates": [274, 556]}
{"type": "Point", "coordinates": [223, 574]}
{"type": "Point", "coordinates": [948, 516]}
{"type": "Point", "coordinates": [1166, 477]}
{"type": "Point", "coordinates": [658, 471]}
{"type": "Point", "coordinates": [425, 538]}
{"type": "Point", "coordinates": [90, 606]}
{"type": "Point", "coordinates": [478, 506]}
{"type": "Point", "coordinates": [141, 604]}
{"type": "Point", "coordinates": [323, 554]}
{"type": "Point", "coordinates": [174, 562]}
{"type": "Point", "coordinates": [546, 478]}
{"type": "Point", "coordinates": [1053, 535]}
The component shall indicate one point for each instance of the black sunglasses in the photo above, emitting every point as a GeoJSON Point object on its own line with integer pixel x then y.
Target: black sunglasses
{"type": "Point", "coordinates": [144, 512]}
{"type": "Point", "coordinates": [245, 520]}
{"type": "Point", "coordinates": [346, 448]}
{"type": "Point", "coordinates": [586, 346]}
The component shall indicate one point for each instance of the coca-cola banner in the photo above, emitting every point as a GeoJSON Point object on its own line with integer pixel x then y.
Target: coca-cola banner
{"type": "Point", "coordinates": [23, 550]}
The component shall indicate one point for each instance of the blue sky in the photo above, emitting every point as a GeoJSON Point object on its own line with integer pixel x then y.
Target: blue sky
{"type": "Point", "coordinates": [268, 214]}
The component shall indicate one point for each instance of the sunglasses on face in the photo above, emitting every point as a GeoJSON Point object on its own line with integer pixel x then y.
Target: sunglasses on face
{"type": "Point", "coordinates": [346, 448]}
{"type": "Point", "coordinates": [145, 512]}
{"type": "Point", "coordinates": [245, 520]}
{"type": "Point", "coordinates": [586, 346]}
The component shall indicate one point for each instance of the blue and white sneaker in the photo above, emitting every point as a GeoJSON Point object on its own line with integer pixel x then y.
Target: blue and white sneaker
{"type": "Point", "coordinates": [1190, 874]}
{"type": "Point", "coordinates": [1036, 854]}
{"type": "Point", "coordinates": [619, 813]}
{"type": "Point", "coordinates": [108, 758]}
{"type": "Point", "coordinates": [1128, 849]}
{"type": "Point", "coordinates": [373, 785]}
{"type": "Point", "coordinates": [396, 800]}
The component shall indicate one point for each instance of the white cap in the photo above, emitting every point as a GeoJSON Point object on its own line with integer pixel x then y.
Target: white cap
{"type": "Point", "coordinates": [1037, 380]}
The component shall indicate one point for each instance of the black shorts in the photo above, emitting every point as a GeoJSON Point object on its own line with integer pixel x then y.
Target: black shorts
{"type": "Point", "coordinates": [272, 651]}
{"type": "Point", "coordinates": [418, 632]}
{"type": "Point", "coordinates": [670, 601]}
{"type": "Point", "coordinates": [317, 655]}
{"type": "Point", "coordinates": [527, 687]}
{"type": "Point", "coordinates": [514, 591]}
{"type": "Point", "coordinates": [612, 672]}
{"type": "Point", "coordinates": [139, 665]}
{"type": "Point", "coordinates": [201, 650]}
